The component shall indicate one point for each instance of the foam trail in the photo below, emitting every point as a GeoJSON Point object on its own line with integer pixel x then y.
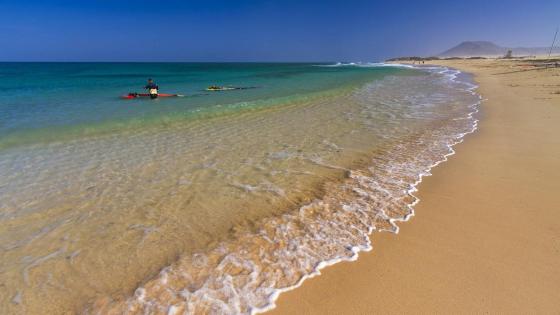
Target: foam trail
{"type": "Point", "coordinates": [247, 273]}
{"type": "Point", "coordinates": [367, 65]}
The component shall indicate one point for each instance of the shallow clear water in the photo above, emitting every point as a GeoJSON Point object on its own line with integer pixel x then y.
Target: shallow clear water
{"type": "Point", "coordinates": [75, 99]}
{"type": "Point", "coordinates": [211, 203]}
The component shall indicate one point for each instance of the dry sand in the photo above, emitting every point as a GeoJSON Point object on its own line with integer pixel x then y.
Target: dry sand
{"type": "Point", "coordinates": [486, 235]}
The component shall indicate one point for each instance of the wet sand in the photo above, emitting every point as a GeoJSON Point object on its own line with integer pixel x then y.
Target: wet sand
{"type": "Point", "coordinates": [486, 235]}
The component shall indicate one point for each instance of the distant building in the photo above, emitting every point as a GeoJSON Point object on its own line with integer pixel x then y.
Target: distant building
{"type": "Point", "coordinates": [508, 54]}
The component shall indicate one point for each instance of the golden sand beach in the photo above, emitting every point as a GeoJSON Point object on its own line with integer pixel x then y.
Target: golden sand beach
{"type": "Point", "coordinates": [486, 235]}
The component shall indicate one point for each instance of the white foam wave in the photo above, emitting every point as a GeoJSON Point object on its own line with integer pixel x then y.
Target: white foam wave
{"type": "Point", "coordinates": [246, 274]}
{"type": "Point", "coordinates": [366, 65]}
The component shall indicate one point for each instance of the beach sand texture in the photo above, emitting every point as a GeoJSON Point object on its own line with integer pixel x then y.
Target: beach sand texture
{"type": "Point", "coordinates": [486, 235]}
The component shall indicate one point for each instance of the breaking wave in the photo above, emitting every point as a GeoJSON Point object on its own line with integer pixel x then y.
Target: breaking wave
{"type": "Point", "coordinates": [245, 274]}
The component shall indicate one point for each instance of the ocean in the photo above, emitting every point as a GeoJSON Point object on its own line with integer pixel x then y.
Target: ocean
{"type": "Point", "coordinates": [215, 202]}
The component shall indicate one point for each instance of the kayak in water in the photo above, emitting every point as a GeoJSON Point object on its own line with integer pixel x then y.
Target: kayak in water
{"type": "Point", "coordinates": [138, 95]}
{"type": "Point", "coordinates": [215, 88]}
{"type": "Point", "coordinates": [220, 88]}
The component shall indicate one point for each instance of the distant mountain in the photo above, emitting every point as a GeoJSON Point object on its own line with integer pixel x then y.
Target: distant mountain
{"type": "Point", "coordinates": [469, 49]}
{"type": "Point", "coordinates": [489, 49]}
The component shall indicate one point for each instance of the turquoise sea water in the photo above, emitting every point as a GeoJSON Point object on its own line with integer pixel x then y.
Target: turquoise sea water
{"type": "Point", "coordinates": [47, 101]}
{"type": "Point", "coordinates": [215, 202]}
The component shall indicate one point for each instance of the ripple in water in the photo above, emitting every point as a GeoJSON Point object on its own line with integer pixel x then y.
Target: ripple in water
{"type": "Point", "coordinates": [246, 273]}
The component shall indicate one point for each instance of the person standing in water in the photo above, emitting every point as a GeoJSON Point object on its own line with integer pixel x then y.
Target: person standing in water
{"type": "Point", "coordinates": [152, 89]}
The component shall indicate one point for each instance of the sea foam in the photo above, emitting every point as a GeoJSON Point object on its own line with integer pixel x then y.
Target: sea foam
{"type": "Point", "coordinates": [246, 273]}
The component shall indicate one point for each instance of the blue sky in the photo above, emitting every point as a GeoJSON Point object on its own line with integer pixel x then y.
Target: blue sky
{"type": "Point", "coordinates": [351, 30]}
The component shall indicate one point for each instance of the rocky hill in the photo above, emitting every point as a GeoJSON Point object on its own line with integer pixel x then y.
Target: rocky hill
{"type": "Point", "coordinates": [489, 49]}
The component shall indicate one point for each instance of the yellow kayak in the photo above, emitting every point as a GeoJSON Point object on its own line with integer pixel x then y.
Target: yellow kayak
{"type": "Point", "coordinates": [221, 88]}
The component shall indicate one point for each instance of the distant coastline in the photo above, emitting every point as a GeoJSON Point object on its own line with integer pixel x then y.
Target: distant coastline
{"type": "Point", "coordinates": [486, 50]}
{"type": "Point", "coordinates": [485, 231]}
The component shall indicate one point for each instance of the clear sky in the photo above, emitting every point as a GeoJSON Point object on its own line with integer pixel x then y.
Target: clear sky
{"type": "Point", "coordinates": [273, 30]}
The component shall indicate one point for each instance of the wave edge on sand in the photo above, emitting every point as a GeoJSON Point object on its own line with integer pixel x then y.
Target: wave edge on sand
{"type": "Point", "coordinates": [247, 273]}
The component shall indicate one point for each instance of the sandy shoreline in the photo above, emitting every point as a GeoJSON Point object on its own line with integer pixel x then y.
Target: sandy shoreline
{"type": "Point", "coordinates": [486, 235]}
